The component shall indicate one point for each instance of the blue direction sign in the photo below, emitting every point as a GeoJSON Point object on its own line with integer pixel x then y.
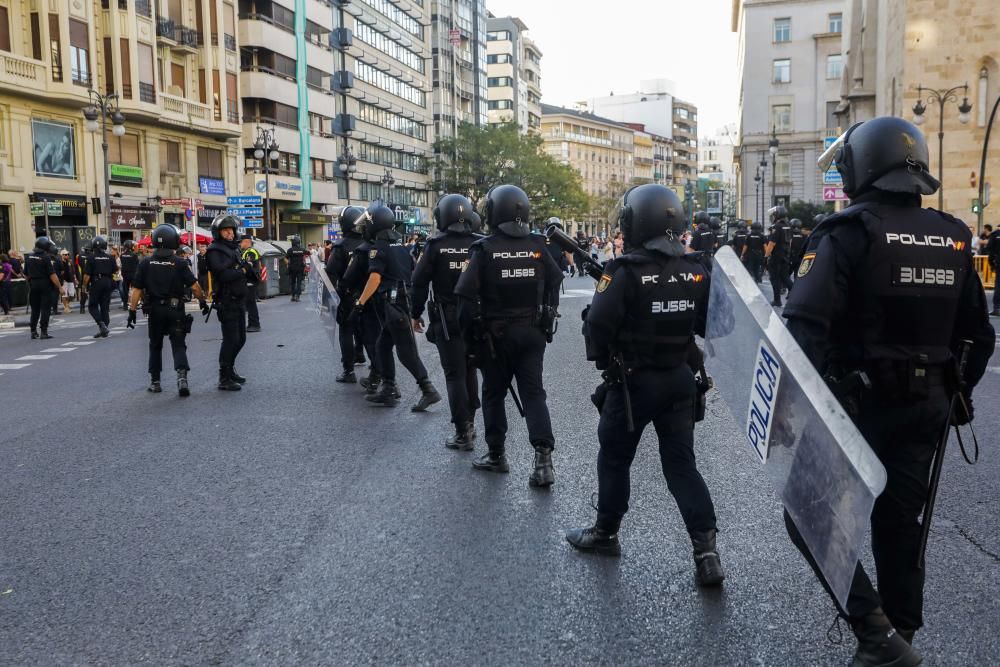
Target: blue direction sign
{"type": "Point", "coordinates": [247, 200]}
{"type": "Point", "coordinates": [831, 176]}
{"type": "Point", "coordinates": [246, 212]}
{"type": "Point", "coordinates": [254, 223]}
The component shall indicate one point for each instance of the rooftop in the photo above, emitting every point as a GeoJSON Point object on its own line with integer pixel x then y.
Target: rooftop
{"type": "Point", "coordinates": [552, 110]}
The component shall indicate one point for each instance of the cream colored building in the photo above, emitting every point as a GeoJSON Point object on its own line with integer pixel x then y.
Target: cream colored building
{"type": "Point", "coordinates": [601, 150]}
{"type": "Point", "coordinates": [174, 67]}
{"type": "Point", "coordinates": [894, 46]}
{"type": "Point", "coordinates": [514, 74]}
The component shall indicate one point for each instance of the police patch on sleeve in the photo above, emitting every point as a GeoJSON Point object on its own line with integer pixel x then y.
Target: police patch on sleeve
{"type": "Point", "coordinates": [603, 283]}
{"type": "Point", "coordinates": [807, 263]}
{"type": "Point", "coordinates": [372, 254]}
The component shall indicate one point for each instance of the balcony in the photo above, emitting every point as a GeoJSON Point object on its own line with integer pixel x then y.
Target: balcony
{"type": "Point", "coordinates": [165, 30]}
{"type": "Point", "coordinates": [178, 110]}
{"type": "Point", "coordinates": [22, 73]}
{"type": "Point", "coordinates": [187, 39]}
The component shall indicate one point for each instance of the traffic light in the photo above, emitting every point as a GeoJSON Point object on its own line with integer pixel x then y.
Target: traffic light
{"type": "Point", "coordinates": [976, 207]}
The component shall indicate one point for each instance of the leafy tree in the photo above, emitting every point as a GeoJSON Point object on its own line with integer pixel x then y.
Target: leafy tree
{"type": "Point", "coordinates": [807, 210]}
{"type": "Point", "coordinates": [481, 157]}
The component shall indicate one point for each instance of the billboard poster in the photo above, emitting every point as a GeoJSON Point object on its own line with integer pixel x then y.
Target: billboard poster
{"type": "Point", "coordinates": [54, 151]}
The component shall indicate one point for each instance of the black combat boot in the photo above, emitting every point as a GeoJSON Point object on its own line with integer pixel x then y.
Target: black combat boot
{"type": "Point", "coordinates": [387, 396]}
{"type": "Point", "coordinates": [236, 377]}
{"type": "Point", "coordinates": [45, 335]}
{"type": "Point", "coordinates": [102, 331]}
{"type": "Point", "coordinates": [428, 396]}
{"type": "Point", "coordinates": [464, 438]}
{"type": "Point", "coordinates": [226, 381]}
{"type": "Point", "coordinates": [543, 475]}
{"type": "Point", "coordinates": [879, 645]}
{"type": "Point", "coordinates": [154, 384]}
{"type": "Point", "coordinates": [370, 383]}
{"type": "Point", "coordinates": [601, 539]}
{"type": "Point", "coordinates": [493, 461]}
{"type": "Point", "coordinates": [34, 334]}
{"type": "Point", "coordinates": [708, 566]}
{"type": "Point", "coordinates": [182, 383]}
{"type": "Point", "coordinates": [347, 377]}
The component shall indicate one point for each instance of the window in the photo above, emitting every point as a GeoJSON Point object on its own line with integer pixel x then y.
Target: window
{"type": "Point", "coordinates": [4, 30]}
{"type": "Point", "coordinates": [497, 58]}
{"type": "Point", "coordinates": [389, 83]}
{"type": "Point", "coordinates": [501, 104]}
{"type": "Point", "coordinates": [835, 23]}
{"type": "Point", "coordinates": [36, 37]}
{"type": "Point", "coordinates": [782, 71]}
{"type": "Point", "coordinates": [123, 149]}
{"type": "Point", "coordinates": [109, 67]}
{"type": "Point", "coordinates": [782, 30]}
{"type": "Point", "coordinates": [170, 157]}
{"type": "Point", "coordinates": [283, 17]}
{"type": "Point", "coordinates": [391, 121]}
{"type": "Point", "coordinates": [147, 80]}
{"type": "Point", "coordinates": [126, 69]}
{"type": "Point", "coordinates": [55, 48]}
{"type": "Point", "coordinates": [177, 77]}
{"type": "Point", "coordinates": [368, 35]}
{"type": "Point", "coordinates": [498, 36]}
{"type": "Point", "coordinates": [210, 162]}
{"type": "Point", "coordinates": [834, 66]}
{"type": "Point", "coordinates": [232, 99]}
{"type": "Point", "coordinates": [79, 53]}
{"type": "Point", "coordinates": [781, 117]}
{"type": "Point", "coordinates": [389, 9]}
{"type": "Point", "coordinates": [495, 81]}
{"type": "Point", "coordinates": [831, 114]}
{"type": "Point", "coordinates": [782, 169]}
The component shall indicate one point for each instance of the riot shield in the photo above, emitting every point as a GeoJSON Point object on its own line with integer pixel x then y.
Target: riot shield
{"type": "Point", "coordinates": [821, 466]}
{"type": "Point", "coordinates": [323, 298]}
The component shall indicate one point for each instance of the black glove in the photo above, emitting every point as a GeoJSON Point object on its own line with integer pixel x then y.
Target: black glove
{"type": "Point", "coordinates": [205, 308]}
{"type": "Point", "coordinates": [355, 313]}
{"type": "Point", "coordinates": [130, 323]}
{"type": "Point", "coordinates": [964, 411]}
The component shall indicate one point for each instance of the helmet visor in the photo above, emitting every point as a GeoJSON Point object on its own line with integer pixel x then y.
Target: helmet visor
{"type": "Point", "coordinates": [825, 160]}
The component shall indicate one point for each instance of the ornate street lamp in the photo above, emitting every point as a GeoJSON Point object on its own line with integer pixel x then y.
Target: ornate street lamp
{"type": "Point", "coordinates": [388, 181]}
{"type": "Point", "coordinates": [348, 164]}
{"type": "Point", "coordinates": [266, 145]}
{"type": "Point", "coordinates": [101, 108]}
{"type": "Point", "coordinates": [942, 97]}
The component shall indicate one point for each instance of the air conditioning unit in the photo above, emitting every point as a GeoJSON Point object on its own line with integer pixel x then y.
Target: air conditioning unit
{"type": "Point", "coordinates": [341, 38]}
{"type": "Point", "coordinates": [346, 123]}
{"type": "Point", "coordinates": [343, 80]}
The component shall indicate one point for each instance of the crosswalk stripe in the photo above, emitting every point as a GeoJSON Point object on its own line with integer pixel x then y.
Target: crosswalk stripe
{"type": "Point", "coordinates": [59, 349]}
{"type": "Point", "coordinates": [35, 357]}
{"type": "Point", "coordinates": [80, 342]}
{"type": "Point", "coordinates": [12, 367]}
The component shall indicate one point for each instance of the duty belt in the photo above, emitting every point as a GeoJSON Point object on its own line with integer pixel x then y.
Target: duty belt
{"type": "Point", "coordinates": [173, 302]}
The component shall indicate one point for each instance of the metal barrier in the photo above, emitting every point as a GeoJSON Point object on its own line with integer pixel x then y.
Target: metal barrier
{"type": "Point", "coordinates": [985, 271]}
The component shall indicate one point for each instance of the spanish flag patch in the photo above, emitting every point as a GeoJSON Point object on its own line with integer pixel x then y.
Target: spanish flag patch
{"type": "Point", "coordinates": [807, 263]}
{"type": "Point", "coordinates": [603, 283]}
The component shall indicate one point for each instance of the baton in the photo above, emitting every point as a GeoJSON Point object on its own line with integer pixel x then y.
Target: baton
{"type": "Point", "coordinates": [510, 384]}
{"type": "Point", "coordinates": [932, 489]}
{"type": "Point", "coordinates": [629, 423]}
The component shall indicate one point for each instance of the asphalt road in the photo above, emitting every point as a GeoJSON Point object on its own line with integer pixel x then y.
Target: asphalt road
{"type": "Point", "coordinates": [292, 523]}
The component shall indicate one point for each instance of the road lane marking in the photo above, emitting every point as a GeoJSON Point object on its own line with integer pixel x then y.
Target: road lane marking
{"type": "Point", "coordinates": [35, 357]}
{"type": "Point", "coordinates": [80, 342]}
{"type": "Point", "coordinates": [12, 367]}
{"type": "Point", "coordinates": [59, 349]}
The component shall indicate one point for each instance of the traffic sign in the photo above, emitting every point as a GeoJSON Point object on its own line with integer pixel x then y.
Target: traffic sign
{"type": "Point", "coordinates": [188, 214]}
{"type": "Point", "coordinates": [246, 200]}
{"type": "Point", "coordinates": [834, 194]}
{"type": "Point", "coordinates": [37, 208]}
{"type": "Point", "coordinates": [254, 223]}
{"type": "Point", "coordinates": [831, 176]}
{"type": "Point", "coordinates": [246, 212]}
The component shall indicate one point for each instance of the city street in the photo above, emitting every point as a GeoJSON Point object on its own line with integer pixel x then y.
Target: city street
{"type": "Point", "coordinates": [294, 523]}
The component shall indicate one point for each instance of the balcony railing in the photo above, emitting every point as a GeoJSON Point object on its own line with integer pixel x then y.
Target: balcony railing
{"type": "Point", "coordinates": [230, 42]}
{"type": "Point", "coordinates": [187, 37]}
{"type": "Point", "coordinates": [147, 93]}
{"type": "Point", "coordinates": [21, 72]}
{"type": "Point", "coordinates": [165, 28]}
{"type": "Point", "coordinates": [190, 111]}
{"type": "Point", "coordinates": [233, 111]}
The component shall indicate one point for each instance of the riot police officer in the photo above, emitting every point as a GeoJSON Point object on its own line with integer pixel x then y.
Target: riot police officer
{"type": "Point", "coordinates": [516, 284]}
{"type": "Point", "coordinates": [368, 320]}
{"type": "Point", "coordinates": [161, 281]}
{"type": "Point", "coordinates": [296, 257]}
{"type": "Point", "coordinates": [419, 243]}
{"type": "Point", "coordinates": [753, 252]}
{"type": "Point", "coordinates": [558, 256]}
{"type": "Point", "coordinates": [129, 263]}
{"type": "Point", "coordinates": [776, 251]}
{"type": "Point", "coordinates": [640, 329]}
{"type": "Point", "coordinates": [868, 301]}
{"type": "Point", "coordinates": [336, 267]}
{"type": "Point", "coordinates": [720, 234]}
{"type": "Point", "coordinates": [390, 268]}
{"type": "Point", "coordinates": [250, 255]}
{"type": "Point", "coordinates": [230, 276]}
{"type": "Point", "coordinates": [739, 241]}
{"type": "Point", "coordinates": [703, 238]}
{"type": "Point", "coordinates": [437, 272]}
{"type": "Point", "coordinates": [97, 281]}
{"type": "Point", "coordinates": [796, 246]}
{"type": "Point", "coordinates": [41, 279]}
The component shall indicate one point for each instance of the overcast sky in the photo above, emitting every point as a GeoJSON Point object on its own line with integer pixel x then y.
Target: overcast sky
{"type": "Point", "coordinates": [590, 48]}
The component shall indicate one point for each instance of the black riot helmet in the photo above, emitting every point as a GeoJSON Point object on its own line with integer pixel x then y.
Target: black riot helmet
{"type": "Point", "coordinates": [475, 223]}
{"type": "Point", "coordinates": [886, 153]}
{"type": "Point", "coordinates": [382, 222]}
{"type": "Point", "coordinates": [715, 224]}
{"type": "Point", "coordinates": [44, 244]}
{"type": "Point", "coordinates": [224, 222]}
{"type": "Point", "coordinates": [701, 218]}
{"type": "Point", "coordinates": [652, 217]}
{"type": "Point", "coordinates": [795, 223]}
{"type": "Point", "coordinates": [554, 222]}
{"type": "Point", "coordinates": [100, 243]}
{"type": "Point", "coordinates": [296, 241]}
{"type": "Point", "coordinates": [349, 216]}
{"type": "Point", "coordinates": [452, 214]}
{"type": "Point", "coordinates": [818, 219]}
{"type": "Point", "coordinates": [166, 236]}
{"type": "Point", "coordinates": [777, 214]}
{"type": "Point", "coordinates": [129, 245]}
{"type": "Point", "coordinates": [756, 227]}
{"type": "Point", "coordinates": [508, 209]}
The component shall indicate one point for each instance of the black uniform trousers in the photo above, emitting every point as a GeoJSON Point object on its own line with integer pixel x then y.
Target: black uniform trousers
{"type": "Point", "coordinates": [100, 299]}
{"type": "Point", "coordinates": [296, 277]}
{"type": "Point", "coordinates": [371, 327]}
{"type": "Point", "coordinates": [777, 270]}
{"type": "Point", "coordinates": [904, 435]}
{"type": "Point", "coordinates": [397, 332]}
{"type": "Point", "coordinates": [755, 265]}
{"type": "Point", "coordinates": [40, 300]}
{"type": "Point", "coordinates": [520, 352]}
{"type": "Point", "coordinates": [234, 330]}
{"type": "Point", "coordinates": [347, 331]}
{"type": "Point", "coordinates": [250, 303]}
{"type": "Point", "coordinates": [166, 320]}
{"type": "Point", "coordinates": [664, 397]}
{"type": "Point", "coordinates": [460, 376]}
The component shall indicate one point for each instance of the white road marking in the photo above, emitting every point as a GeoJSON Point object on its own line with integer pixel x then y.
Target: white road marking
{"type": "Point", "coordinates": [35, 357]}
{"type": "Point", "coordinates": [59, 349]}
{"type": "Point", "coordinates": [12, 367]}
{"type": "Point", "coordinates": [80, 342]}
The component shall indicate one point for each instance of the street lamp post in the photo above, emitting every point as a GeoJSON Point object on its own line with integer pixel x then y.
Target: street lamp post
{"type": "Point", "coordinates": [763, 186]}
{"type": "Point", "coordinates": [266, 146]}
{"type": "Point", "coordinates": [982, 163]}
{"type": "Point", "coordinates": [756, 192]}
{"type": "Point", "coordinates": [347, 164]}
{"type": "Point", "coordinates": [772, 147]}
{"type": "Point", "coordinates": [942, 97]}
{"type": "Point", "coordinates": [104, 107]}
{"type": "Point", "coordinates": [387, 182]}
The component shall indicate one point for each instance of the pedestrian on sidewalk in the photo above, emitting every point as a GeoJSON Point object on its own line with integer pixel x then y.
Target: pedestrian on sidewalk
{"type": "Point", "coordinates": [6, 275]}
{"type": "Point", "coordinates": [67, 275]}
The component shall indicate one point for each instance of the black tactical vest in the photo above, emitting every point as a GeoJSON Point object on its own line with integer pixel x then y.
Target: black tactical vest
{"type": "Point", "coordinates": [37, 267]}
{"type": "Point", "coordinates": [755, 243]}
{"type": "Point", "coordinates": [660, 319]}
{"type": "Point", "coordinates": [162, 277]}
{"type": "Point", "coordinates": [451, 251]}
{"type": "Point", "coordinates": [739, 242]}
{"type": "Point", "coordinates": [397, 264]}
{"type": "Point", "coordinates": [103, 266]}
{"type": "Point", "coordinates": [514, 281]}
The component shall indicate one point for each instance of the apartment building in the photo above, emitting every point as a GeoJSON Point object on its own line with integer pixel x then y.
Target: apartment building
{"type": "Point", "coordinates": [716, 154]}
{"type": "Point", "coordinates": [172, 67]}
{"type": "Point", "coordinates": [600, 149]}
{"type": "Point", "coordinates": [459, 55]}
{"type": "Point", "coordinates": [790, 70]}
{"type": "Point", "coordinates": [514, 74]}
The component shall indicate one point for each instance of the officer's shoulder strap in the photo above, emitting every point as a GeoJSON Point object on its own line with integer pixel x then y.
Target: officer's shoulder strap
{"type": "Point", "coordinates": [852, 214]}
{"type": "Point", "coordinates": [952, 219]}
